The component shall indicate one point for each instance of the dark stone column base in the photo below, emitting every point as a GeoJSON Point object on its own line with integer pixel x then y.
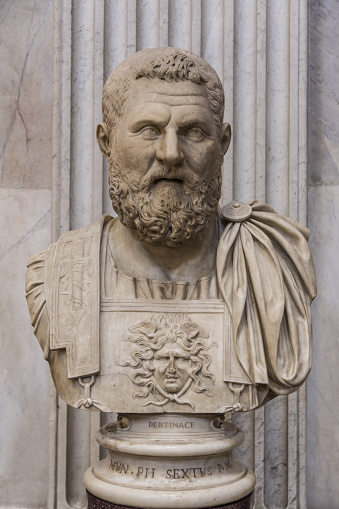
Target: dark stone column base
{"type": "Point", "coordinates": [97, 503]}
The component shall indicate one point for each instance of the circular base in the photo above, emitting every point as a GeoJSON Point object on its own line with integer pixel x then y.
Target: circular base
{"type": "Point", "coordinates": [170, 499]}
{"type": "Point", "coordinates": [169, 462]}
{"type": "Point", "coordinates": [97, 503]}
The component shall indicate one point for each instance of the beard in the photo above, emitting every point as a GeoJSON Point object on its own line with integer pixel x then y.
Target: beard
{"type": "Point", "coordinates": [170, 216]}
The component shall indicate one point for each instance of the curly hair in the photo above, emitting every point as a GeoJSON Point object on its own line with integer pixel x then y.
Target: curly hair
{"type": "Point", "coordinates": [168, 64]}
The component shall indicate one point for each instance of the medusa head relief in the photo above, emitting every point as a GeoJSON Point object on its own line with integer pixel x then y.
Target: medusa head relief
{"type": "Point", "coordinates": [169, 358]}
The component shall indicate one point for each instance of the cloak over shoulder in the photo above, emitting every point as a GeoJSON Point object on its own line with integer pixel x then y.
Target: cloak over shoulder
{"type": "Point", "coordinates": [266, 276]}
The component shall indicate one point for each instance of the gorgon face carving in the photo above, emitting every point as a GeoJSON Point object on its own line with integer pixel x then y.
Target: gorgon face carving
{"type": "Point", "coordinates": [170, 357]}
{"type": "Point", "coordinates": [171, 367]}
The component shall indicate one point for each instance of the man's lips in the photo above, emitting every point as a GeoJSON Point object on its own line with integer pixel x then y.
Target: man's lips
{"type": "Point", "coordinates": [181, 176]}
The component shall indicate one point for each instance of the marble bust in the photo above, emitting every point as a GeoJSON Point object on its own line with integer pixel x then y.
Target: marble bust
{"type": "Point", "coordinates": [173, 306]}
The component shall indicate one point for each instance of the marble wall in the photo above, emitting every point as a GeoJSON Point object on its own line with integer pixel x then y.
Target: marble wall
{"type": "Point", "coordinates": [323, 214]}
{"type": "Point", "coordinates": [26, 56]}
{"type": "Point", "coordinates": [55, 56]}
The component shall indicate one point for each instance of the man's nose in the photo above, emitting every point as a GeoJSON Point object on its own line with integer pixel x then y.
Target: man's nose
{"type": "Point", "coordinates": [171, 365]}
{"type": "Point", "coordinates": [169, 151]}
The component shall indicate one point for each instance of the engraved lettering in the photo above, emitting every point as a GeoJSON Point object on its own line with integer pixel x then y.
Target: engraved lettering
{"type": "Point", "coordinates": [113, 465]}
{"type": "Point", "coordinates": [225, 466]}
{"type": "Point", "coordinates": [119, 467]}
{"type": "Point", "coordinates": [171, 425]}
{"type": "Point", "coordinates": [124, 468]}
{"type": "Point", "coordinates": [189, 473]}
{"type": "Point", "coordinates": [175, 473]}
{"type": "Point", "coordinates": [228, 465]}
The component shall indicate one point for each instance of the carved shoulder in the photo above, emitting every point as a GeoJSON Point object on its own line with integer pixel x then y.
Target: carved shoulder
{"type": "Point", "coordinates": [48, 273]}
{"type": "Point", "coordinates": [36, 297]}
{"type": "Point", "coordinates": [266, 276]}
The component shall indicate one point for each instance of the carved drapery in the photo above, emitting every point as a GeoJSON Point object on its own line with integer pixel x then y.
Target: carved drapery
{"type": "Point", "coordinates": [259, 50]}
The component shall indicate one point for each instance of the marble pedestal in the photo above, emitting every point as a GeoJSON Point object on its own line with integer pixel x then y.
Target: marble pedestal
{"type": "Point", "coordinates": [169, 461]}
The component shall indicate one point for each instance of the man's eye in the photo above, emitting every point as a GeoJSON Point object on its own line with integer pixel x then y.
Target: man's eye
{"type": "Point", "coordinates": [194, 134]}
{"type": "Point", "coordinates": [150, 132]}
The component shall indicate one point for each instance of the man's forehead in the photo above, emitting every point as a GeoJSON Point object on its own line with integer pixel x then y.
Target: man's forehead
{"type": "Point", "coordinates": [177, 99]}
{"type": "Point", "coordinates": [172, 93]}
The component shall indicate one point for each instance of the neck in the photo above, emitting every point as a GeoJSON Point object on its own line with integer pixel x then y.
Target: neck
{"type": "Point", "coordinates": [140, 259]}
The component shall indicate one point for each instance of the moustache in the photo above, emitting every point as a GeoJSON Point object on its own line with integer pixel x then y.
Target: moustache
{"type": "Point", "coordinates": [186, 176]}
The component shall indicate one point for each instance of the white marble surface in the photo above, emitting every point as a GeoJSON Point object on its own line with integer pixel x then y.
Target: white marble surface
{"type": "Point", "coordinates": [24, 379]}
{"type": "Point", "coordinates": [323, 384]}
{"type": "Point", "coordinates": [26, 54]}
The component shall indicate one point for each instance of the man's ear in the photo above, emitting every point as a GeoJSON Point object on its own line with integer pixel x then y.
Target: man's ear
{"type": "Point", "coordinates": [226, 137]}
{"type": "Point", "coordinates": [103, 139]}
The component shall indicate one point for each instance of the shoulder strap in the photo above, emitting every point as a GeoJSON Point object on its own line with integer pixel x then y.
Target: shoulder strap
{"type": "Point", "coordinates": [73, 297]}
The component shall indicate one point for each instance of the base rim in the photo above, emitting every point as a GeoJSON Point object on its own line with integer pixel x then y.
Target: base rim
{"type": "Point", "coordinates": [170, 499]}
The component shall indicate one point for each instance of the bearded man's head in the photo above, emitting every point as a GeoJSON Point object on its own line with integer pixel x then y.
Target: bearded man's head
{"type": "Point", "coordinates": [181, 209]}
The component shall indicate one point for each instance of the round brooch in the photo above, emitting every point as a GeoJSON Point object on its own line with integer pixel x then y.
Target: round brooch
{"type": "Point", "coordinates": [236, 211]}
